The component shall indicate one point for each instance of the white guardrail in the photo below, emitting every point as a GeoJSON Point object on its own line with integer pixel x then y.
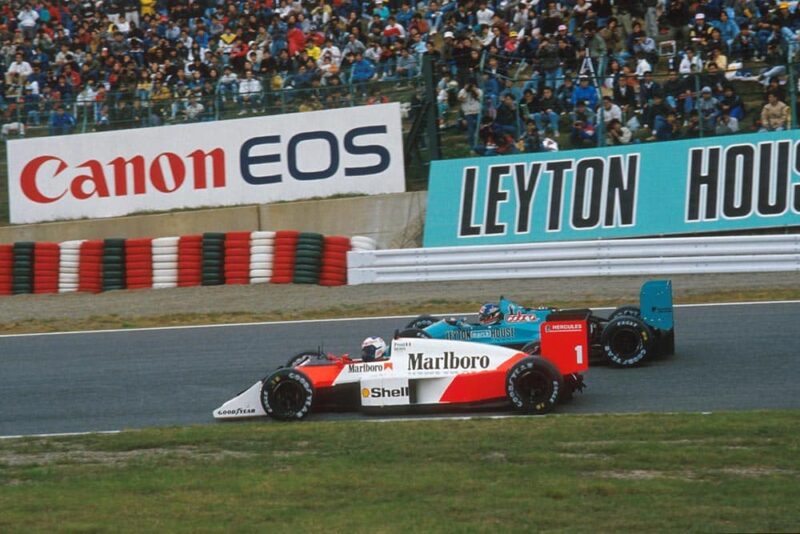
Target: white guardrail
{"type": "Point", "coordinates": [659, 256]}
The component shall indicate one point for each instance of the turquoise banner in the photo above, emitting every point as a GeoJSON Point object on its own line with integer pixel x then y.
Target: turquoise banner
{"type": "Point", "coordinates": [675, 187]}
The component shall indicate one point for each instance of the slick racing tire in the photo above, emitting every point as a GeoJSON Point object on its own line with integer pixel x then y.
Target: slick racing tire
{"type": "Point", "coordinates": [632, 311]}
{"type": "Point", "coordinates": [533, 386]}
{"type": "Point", "coordinates": [413, 332]}
{"type": "Point", "coordinates": [304, 357]}
{"type": "Point", "coordinates": [534, 348]}
{"type": "Point", "coordinates": [627, 341]}
{"type": "Point", "coordinates": [287, 395]}
{"type": "Point", "coordinates": [422, 321]}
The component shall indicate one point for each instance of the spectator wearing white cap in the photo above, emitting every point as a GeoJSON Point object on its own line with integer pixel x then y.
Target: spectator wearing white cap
{"type": "Point", "coordinates": [700, 31]}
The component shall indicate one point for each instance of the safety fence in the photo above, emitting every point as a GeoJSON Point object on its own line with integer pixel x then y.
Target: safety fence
{"type": "Point", "coordinates": [209, 259]}
{"type": "Point", "coordinates": [660, 256]}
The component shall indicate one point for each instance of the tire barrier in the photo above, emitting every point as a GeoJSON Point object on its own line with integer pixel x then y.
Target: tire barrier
{"type": "Point", "coordinates": [284, 256]}
{"type": "Point", "coordinates": [334, 261]}
{"type": "Point", "coordinates": [190, 260]}
{"type": "Point", "coordinates": [138, 263]}
{"type": "Point", "coordinates": [308, 258]}
{"type": "Point", "coordinates": [113, 264]}
{"type": "Point", "coordinates": [90, 267]}
{"type": "Point", "coordinates": [165, 262]}
{"type": "Point", "coordinates": [214, 258]}
{"type": "Point", "coordinates": [46, 259]}
{"type": "Point", "coordinates": [69, 265]}
{"type": "Point", "coordinates": [22, 268]}
{"type": "Point", "coordinates": [262, 250]}
{"type": "Point", "coordinates": [6, 269]}
{"type": "Point", "coordinates": [237, 258]}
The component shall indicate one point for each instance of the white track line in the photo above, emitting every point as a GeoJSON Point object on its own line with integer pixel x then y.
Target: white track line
{"type": "Point", "coordinates": [399, 419]}
{"type": "Point", "coordinates": [341, 319]}
{"type": "Point", "coordinates": [62, 434]}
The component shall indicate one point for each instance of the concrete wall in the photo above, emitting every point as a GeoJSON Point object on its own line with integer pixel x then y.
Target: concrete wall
{"type": "Point", "coordinates": [394, 220]}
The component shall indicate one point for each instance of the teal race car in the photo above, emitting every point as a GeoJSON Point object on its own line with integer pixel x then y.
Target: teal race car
{"type": "Point", "coordinates": [629, 336]}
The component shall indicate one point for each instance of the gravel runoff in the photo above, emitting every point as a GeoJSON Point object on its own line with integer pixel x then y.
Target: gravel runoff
{"type": "Point", "coordinates": [267, 298]}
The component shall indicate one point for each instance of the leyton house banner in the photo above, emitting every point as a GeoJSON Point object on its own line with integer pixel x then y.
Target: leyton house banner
{"type": "Point", "coordinates": [674, 187]}
{"type": "Point", "coordinates": [244, 161]}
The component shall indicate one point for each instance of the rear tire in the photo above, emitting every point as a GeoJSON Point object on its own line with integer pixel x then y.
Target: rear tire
{"type": "Point", "coordinates": [422, 321]}
{"type": "Point", "coordinates": [631, 311]}
{"type": "Point", "coordinates": [533, 386]}
{"type": "Point", "coordinates": [287, 395]}
{"type": "Point", "coordinates": [627, 341]}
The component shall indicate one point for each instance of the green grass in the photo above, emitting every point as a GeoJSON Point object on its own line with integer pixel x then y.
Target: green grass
{"type": "Point", "coordinates": [719, 472]}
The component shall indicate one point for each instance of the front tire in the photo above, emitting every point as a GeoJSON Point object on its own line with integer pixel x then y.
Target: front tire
{"type": "Point", "coordinates": [533, 386]}
{"type": "Point", "coordinates": [627, 341]}
{"type": "Point", "coordinates": [422, 321]}
{"type": "Point", "coordinates": [287, 395]}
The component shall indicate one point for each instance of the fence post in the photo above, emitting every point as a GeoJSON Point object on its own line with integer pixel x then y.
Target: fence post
{"type": "Point", "coordinates": [792, 93]}
{"type": "Point", "coordinates": [697, 98]}
{"type": "Point", "coordinates": [431, 108]}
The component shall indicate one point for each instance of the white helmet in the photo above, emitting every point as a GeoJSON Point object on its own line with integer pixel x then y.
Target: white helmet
{"type": "Point", "coordinates": [373, 348]}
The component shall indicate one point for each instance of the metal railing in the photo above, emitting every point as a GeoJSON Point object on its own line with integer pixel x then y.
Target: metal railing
{"type": "Point", "coordinates": [657, 256]}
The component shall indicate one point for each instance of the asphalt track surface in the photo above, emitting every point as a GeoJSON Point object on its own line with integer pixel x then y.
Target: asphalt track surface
{"type": "Point", "coordinates": [729, 357]}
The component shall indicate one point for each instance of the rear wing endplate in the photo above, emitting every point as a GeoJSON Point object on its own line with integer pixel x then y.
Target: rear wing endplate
{"type": "Point", "coordinates": [655, 303]}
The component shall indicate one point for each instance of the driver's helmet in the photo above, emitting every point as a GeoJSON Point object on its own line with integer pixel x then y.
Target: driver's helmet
{"type": "Point", "coordinates": [373, 348]}
{"type": "Point", "coordinates": [489, 314]}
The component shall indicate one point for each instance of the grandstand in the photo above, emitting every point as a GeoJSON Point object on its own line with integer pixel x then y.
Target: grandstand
{"type": "Point", "coordinates": [506, 76]}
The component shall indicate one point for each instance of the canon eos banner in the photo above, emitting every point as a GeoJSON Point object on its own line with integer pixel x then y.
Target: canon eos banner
{"type": "Point", "coordinates": [245, 161]}
{"type": "Point", "coordinates": [701, 185]}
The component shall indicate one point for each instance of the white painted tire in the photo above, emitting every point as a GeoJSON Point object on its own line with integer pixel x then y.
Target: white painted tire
{"type": "Point", "coordinates": [261, 234]}
{"type": "Point", "coordinates": [165, 241]}
{"type": "Point", "coordinates": [166, 259]}
{"type": "Point", "coordinates": [166, 249]}
{"type": "Point", "coordinates": [164, 285]}
{"type": "Point", "coordinates": [262, 241]}
{"type": "Point", "coordinates": [71, 245]}
{"type": "Point", "coordinates": [260, 263]}
{"type": "Point", "coordinates": [261, 249]}
{"type": "Point", "coordinates": [363, 242]}
{"type": "Point", "coordinates": [263, 280]}
{"type": "Point", "coordinates": [260, 273]}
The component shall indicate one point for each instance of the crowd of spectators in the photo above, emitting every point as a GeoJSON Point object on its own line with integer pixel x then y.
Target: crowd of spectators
{"type": "Point", "coordinates": [516, 75]}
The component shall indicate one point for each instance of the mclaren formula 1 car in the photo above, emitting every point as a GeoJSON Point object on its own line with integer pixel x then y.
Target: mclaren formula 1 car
{"type": "Point", "coordinates": [627, 337]}
{"type": "Point", "coordinates": [427, 373]}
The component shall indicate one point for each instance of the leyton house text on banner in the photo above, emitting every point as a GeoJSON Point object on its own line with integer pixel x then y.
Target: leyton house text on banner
{"type": "Point", "coordinates": [243, 161]}
{"type": "Point", "coordinates": [675, 187]}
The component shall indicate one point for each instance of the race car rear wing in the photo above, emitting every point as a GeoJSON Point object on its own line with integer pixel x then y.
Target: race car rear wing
{"type": "Point", "coordinates": [655, 303]}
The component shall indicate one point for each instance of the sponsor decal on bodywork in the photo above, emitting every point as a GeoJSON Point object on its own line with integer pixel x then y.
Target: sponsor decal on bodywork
{"type": "Point", "coordinates": [382, 393]}
{"type": "Point", "coordinates": [447, 362]}
{"type": "Point", "coordinates": [237, 411]}
{"type": "Point", "coordinates": [369, 367]}
{"type": "Point", "coordinates": [562, 327]}
{"type": "Point", "coordinates": [521, 318]}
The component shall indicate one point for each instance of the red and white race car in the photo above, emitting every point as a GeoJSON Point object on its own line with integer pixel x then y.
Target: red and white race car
{"type": "Point", "coordinates": [430, 373]}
